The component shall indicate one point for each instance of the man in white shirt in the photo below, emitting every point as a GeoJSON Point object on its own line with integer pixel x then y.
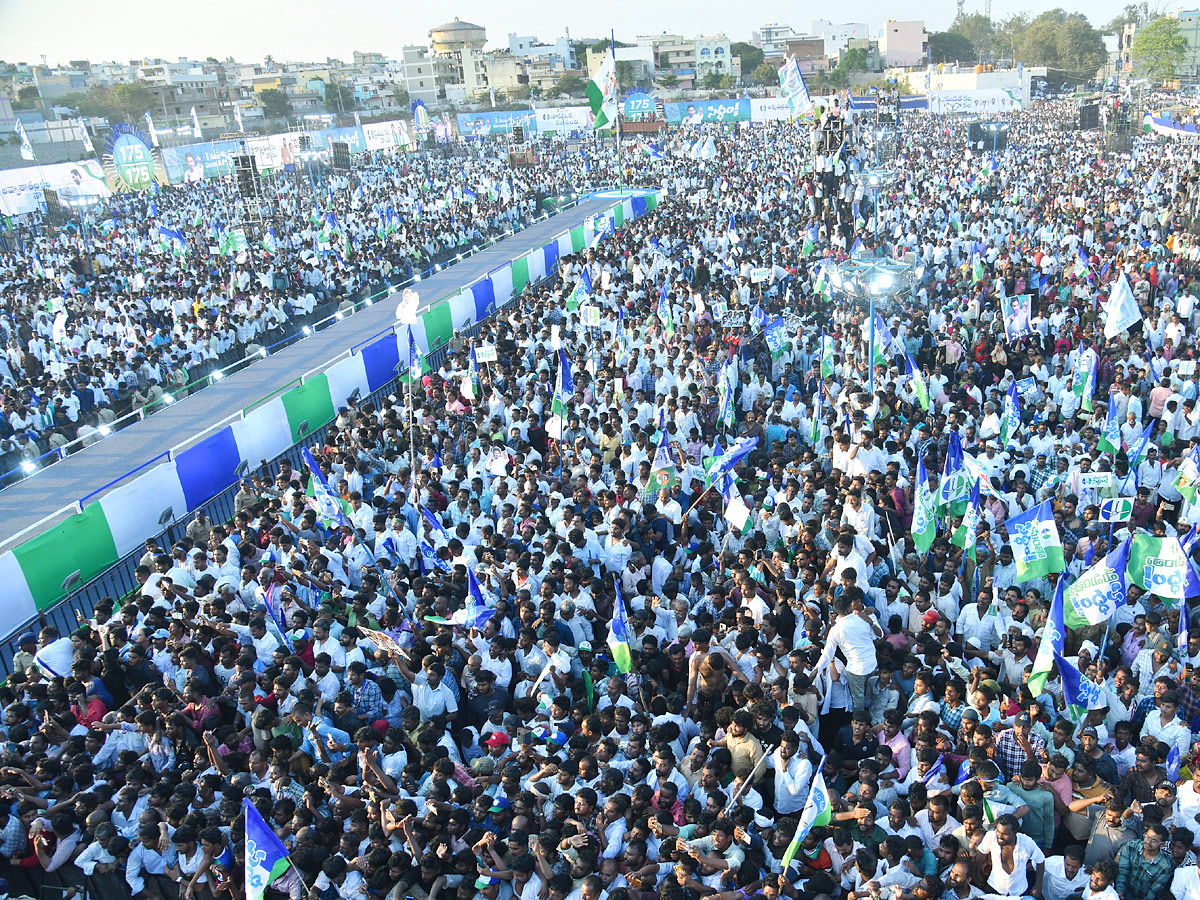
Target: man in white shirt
{"type": "Point", "coordinates": [854, 633]}
{"type": "Point", "coordinates": [1006, 858]}
{"type": "Point", "coordinates": [1065, 875]}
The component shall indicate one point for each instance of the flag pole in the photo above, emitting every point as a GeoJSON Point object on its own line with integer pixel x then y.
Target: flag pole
{"type": "Point", "coordinates": [612, 37]}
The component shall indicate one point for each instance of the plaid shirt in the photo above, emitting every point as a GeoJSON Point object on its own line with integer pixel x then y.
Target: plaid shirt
{"type": "Point", "coordinates": [1139, 878]}
{"type": "Point", "coordinates": [1189, 706]}
{"type": "Point", "coordinates": [1009, 755]}
{"type": "Point", "coordinates": [13, 837]}
{"type": "Point", "coordinates": [952, 715]}
{"type": "Point", "coordinates": [368, 700]}
{"type": "Point", "coordinates": [1039, 476]}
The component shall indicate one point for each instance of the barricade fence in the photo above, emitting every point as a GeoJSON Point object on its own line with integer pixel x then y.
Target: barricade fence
{"type": "Point", "coordinates": [59, 574]}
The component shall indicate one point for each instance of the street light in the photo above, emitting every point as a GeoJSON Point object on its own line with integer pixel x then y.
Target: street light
{"type": "Point", "coordinates": [874, 180]}
{"type": "Point", "coordinates": [996, 129]}
{"type": "Point", "coordinates": [869, 278]}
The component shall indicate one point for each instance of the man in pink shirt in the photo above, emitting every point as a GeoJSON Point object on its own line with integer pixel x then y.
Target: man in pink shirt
{"type": "Point", "coordinates": [1158, 398]}
{"type": "Point", "coordinates": [889, 735]}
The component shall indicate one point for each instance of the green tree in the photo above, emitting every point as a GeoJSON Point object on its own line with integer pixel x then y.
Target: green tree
{"type": "Point", "coordinates": [126, 101]}
{"type": "Point", "coordinates": [1134, 14]}
{"type": "Point", "coordinates": [750, 55]}
{"type": "Point", "coordinates": [400, 95]}
{"type": "Point", "coordinates": [569, 86]}
{"type": "Point", "coordinates": [1008, 34]}
{"type": "Point", "coordinates": [712, 80]}
{"type": "Point", "coordinates": [668, 80]}
{"type": "Point", "coordinates": [27, 97]}
{"type": "Point", "coordinates": [977, 29]}
{"type": "Point", "coordinates": [764, 73]}
{"type": "Point", "coordinates": [72, 100]}
{"type": "Point", "coordinates": [849, 63]}
{"type": "Point", "coordinates": [950, 46]}
{"type": "Point", "coordinates": [1063, 40]}
{"type": "Point", "coordinates": [601, 46]}
{"type": "Point", "coordinates": [1039, 46]}
{"type": "Point", "coordinates": [275, 103]}
{"type": "Point", "coordinates": [1080, 46]}
{"type": "Point", "coordinates": [1159, 48]}
{"type": "Point", "coordinates": [338, 98]}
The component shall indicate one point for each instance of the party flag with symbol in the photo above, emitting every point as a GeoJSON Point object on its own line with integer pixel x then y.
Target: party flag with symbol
{"type": "Point", "coordinates": [438, 528]}
{"type": "Point", "coordinates": [1053, 636]}
{"type": "Point", "coordinates": [924, 523]}
{"type": "Point", "coordinates": [1110, 436]}
{"type": "Point", "coordinates": [664, 311]}
{"type": "Point", "coordinates": [826, 356]}
{"type": "Point", "coordinates": [727, 460]}
{"type": "Point", "coordinates": [775, 335]}
{"type": "Point", "coordinates": [618, 635]}
{"type": "Point", "coordinates": [602, 93]}
{"type": "Point", "coordinates": [1079, 692]}
{"type": "Point", "coordinates": [266, 857]}
{"type": "Point", "coordinates": [663, 472]}
{"type": "Point", "coordinates": [473, 368]}
{"type": "Point", "coordinates": [581, 291]}
{"type": "Point", "coordinates": [953, 486]}
{"type": "Point", "coordinates": [1036, 543]}
{"type": "Point", "coordinates": [1181, 635]}
{"type": "Point", "coordinates": [81, 128]}
{"type": "Point", "coordinates": [814, 433]}
{"type": "Point", "coordinates": [1187, 481]}
{"type": "Point", "coordinates": [966, 534]}
{"type": "Point", "coordinates": [818, 810]}
{"type": "Point", "coordinates": [1083, 377]}
{"type": "Point", "coordinates": [1010, 421]}
{"type": "Point", "coordinates": [919, 387]}
{"type": "Point", "coordinates": [1100, 591]}
{"type": "Point", "coordinates": [564, 386]}
{"type": "Point", "coordinates": [1159, 566]}
{"type": "Point", "coordinates": [416, 363]}
{"type": "Point", "coordinates": [331, 509]}
{"type": "Point", "coordinates": [476, 612]}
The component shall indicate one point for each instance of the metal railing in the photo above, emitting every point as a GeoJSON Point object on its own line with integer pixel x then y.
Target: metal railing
{"type": "Point", "coordinates": [118, 581]}
{"type": "Point", "coordinates": [30, 467]}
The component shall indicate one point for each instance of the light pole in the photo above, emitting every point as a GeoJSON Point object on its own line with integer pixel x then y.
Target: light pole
{"type": "Point", "coordinates": [996, 129]}
{"type": "Point", "coordinates": [871, 278]}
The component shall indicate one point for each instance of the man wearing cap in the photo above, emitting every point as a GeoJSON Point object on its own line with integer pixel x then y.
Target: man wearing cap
{"type": "Point", "coordinates": [23, 660]}
{"type": "Point", "coordinates": [486, 700]}
{"type": "Point", "coordinates": [1017, 745]}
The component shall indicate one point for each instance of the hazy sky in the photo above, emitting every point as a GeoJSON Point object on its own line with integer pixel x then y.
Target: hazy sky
{"type": "Point", "coordinates": [314, 29]}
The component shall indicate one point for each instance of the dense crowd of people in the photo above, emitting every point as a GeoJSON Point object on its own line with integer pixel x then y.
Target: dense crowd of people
{"type": "Point", "coordinates": [158, 289]}
{"type": "Point", "coordinates": [661, 607]}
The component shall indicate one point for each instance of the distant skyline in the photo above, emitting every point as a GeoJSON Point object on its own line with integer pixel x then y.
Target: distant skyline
{"type": "Point", "coordinates": [302, 30]}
